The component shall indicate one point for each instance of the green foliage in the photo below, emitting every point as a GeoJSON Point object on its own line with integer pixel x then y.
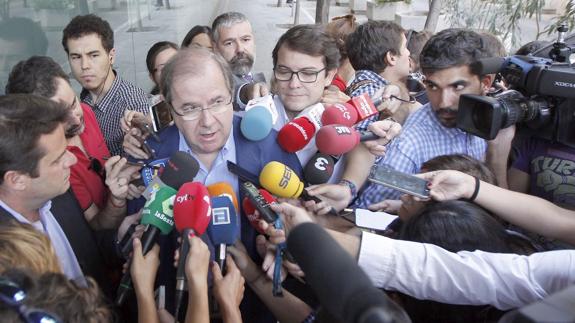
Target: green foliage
{"type": "Point", "coordinates": [566, 18]}
{"type": "Point", "coordinates": [53, 4]}
{"type": "Point", "coordinates": [500, 17]}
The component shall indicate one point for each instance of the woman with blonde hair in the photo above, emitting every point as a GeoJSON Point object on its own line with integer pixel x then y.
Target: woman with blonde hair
{"type": "Point", "coordinates": [22, 246]}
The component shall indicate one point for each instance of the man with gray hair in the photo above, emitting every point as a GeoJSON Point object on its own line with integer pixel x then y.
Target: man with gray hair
{"type": "Point", "coordinates": [234, 40]}
{"type": "Point", "coordinates": [198, 86]}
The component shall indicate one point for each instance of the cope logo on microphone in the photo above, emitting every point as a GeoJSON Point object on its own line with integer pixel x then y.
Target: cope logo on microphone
{"type": "Point", "coordinates": [344, 111]}
{"type": "Point", "coordinates": [285, 178]}
{"type": "Point", "coordinates": [220, 216]}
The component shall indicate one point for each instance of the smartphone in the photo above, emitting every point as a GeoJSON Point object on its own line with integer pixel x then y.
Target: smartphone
{"type": "Point", "coordinates": [161, 116]}
{"type": "Point", "coordinates": [406, 183]}
{"type": "Point", "coordinates": [259, 202]}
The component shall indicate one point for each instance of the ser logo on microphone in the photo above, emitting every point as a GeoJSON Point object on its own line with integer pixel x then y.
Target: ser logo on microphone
{"type": "Point", "coordinates": [285, 178]}
{"type": "Point", "coordinates": [320, 163]}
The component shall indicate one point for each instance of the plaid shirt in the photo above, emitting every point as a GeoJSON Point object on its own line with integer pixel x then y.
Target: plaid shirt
{"type": "Point", "coordinates": [376, 82]}
{"type": "Point", "coordinates": [422, 138]}
{"type": "Point", "coordinates": [121, 96]}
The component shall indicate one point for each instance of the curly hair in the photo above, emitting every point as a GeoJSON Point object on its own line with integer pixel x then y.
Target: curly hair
{"type": "Point", "coordinates": [452, 48]}
{"type": "Point", "coordinates": [89, 24]}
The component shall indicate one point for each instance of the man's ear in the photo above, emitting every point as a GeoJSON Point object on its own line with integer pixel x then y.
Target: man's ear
{"type": "Point", "coordinates": [486, 82]}
{"type": "Point", "coordinates": [112, 55]}
{"type": "Point", "coordinates": [16, 181]}
{"type": "Point", "coordinates": [390, 59]}
{"type": "Point", "coordinates": [329, 76]}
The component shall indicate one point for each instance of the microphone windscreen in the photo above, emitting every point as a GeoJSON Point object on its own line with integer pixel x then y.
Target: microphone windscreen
{"type": "Point", "coordinates": [281, 180]}
{"type": "Point", "coordinates": [224, 227]}
{"type": "Point", "coordinates": [149, 173]}
{"type": "Point", "coordinates": [256, 123]}
{"type": "Point", "coordinates": [192, 208]}
{"type": "Point", "coordinates": [158, 210]}
{"type": "Point", "coordinates": [250, 212]}
{"type": "Point", "coordinates": [340, 285]}
{"type": "Point", "coordinates": [296, 134]}
{"type": "Point", "coordinates": [224, 189]}
{"type": "Point", "coordinates": [336, 139]}
{"type": "Point", "coordinates": [318, 169]}
{"type": "Point", "coordinates": [364, 106]}
{"type": "Point", "coordinates": [344, 114]}
{"type": "Point", "coordinates": [180, 169]}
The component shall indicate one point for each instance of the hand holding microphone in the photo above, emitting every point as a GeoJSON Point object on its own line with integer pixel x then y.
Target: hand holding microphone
{"type": "Point", "coordinates": [192, 213]}
{"type": "Point", "coordinates": [386, 130]}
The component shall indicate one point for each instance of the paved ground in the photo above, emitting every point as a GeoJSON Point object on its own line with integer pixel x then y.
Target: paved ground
{"type": "Point", "coordinates": [133, 39]}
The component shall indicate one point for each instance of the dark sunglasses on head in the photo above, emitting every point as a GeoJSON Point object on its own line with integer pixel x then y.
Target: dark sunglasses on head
{"type": "Point", "coordinates": [13, 295]}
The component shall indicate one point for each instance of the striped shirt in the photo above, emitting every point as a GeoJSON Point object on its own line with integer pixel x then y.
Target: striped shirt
{"type": "Point", "coordinates": [109, 111]}
{"type": "Point", "coordinates": [369, 82]}
{"type": "Point", "coordinates": [423, 137]}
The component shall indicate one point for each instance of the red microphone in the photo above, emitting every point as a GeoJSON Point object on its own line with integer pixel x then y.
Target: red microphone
{"type": "Point", "coordinates": [296, 134]}
{"type": "Point", "coordinates": [249, 209]}
{"type": "Point", "coordinates": [192, 214]}
{"type": "Point", "coordinates": [338, 139]}
{"type": "Point", "coordinates": [339, 113]}
{"type": "Point", "coordinates": [364, 106]}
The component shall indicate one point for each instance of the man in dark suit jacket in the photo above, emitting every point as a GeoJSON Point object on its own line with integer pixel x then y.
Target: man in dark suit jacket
{"type": "Point", "coordinates": [34, 186]}
{"type": "Point", "coordinates": [198, 85]}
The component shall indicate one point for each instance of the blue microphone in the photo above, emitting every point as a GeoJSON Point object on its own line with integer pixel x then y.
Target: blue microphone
{"type": "Point", "coordinates": [223, 229]}
{"type": "Point", "coordinates": [256, 123]}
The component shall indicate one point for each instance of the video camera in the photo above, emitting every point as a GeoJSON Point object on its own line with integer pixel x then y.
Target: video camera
{"type": "Point", "coordinates": [541, 99]}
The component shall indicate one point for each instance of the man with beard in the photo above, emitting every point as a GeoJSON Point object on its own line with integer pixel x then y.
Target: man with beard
{"type": "Point", "coordinates": [446, 61]}
{"type": "Point", "coordinates": [234, 40]}
{"type": "Point", "coordinates": [100, 186]}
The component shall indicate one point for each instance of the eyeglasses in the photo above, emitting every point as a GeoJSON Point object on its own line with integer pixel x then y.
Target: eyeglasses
{"type": "Point", "coordinates": [190, 112]}
{"type": "Point", "coordinates": [410, 100]}
{"type": "Point", "coordinates": [285, 74]}
{"type": "Point", "coordinates": [13, 295]}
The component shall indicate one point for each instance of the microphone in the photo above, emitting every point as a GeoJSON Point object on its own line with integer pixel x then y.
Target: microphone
{"type": "Point", "coordinates": [282, 181]}
{"type": "Point", "coordinates": [365, 106]}
{"type": "Point", "coordinates": [250, 212]}
{"type": "Point", "coordinates": [344, 114]}
{"type": "Point", "coordinates": [266, 102]}
{"type": "Point", "coordinates": [256, 123]}
{"type": "Point", "coordinates": [179, 169]}
{"type": "Point", "coordinates": [224, 227]}
{"type": "Point", "coordinates": [342, 288]}
{"type": "Point", "coordinates": [149, 173]}
{"type": "Point", "coordinates": [192, 212]}
{"type": "Point", "coordinates": [297, 133]}
{"type": "Point", "coordinates": [224, 189]}
{"type": "Point", "coordinates": [158, 215]}
{"type": "Point", "coordinates": [318, 169]}
{"type": "Point", "coordinates": [338, 139]}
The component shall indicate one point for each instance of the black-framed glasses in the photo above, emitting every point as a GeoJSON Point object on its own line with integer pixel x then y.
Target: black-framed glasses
{"type": "Point", "coordinates": [304, 76]}
{"type": "Point", "coordinates": [190, 112]}
{"type": "Point", "coordinates": [410, 100]}
{"type": "Point", "coordinates": [13, 295]}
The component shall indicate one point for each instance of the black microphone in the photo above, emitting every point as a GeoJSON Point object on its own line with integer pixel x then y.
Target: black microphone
{"type": "Point", "coordinates": [318, 169]}
{"type": "Point", "coordinates": [180, 168]}
{"type": "Point", "coordinates": [342, 288]}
